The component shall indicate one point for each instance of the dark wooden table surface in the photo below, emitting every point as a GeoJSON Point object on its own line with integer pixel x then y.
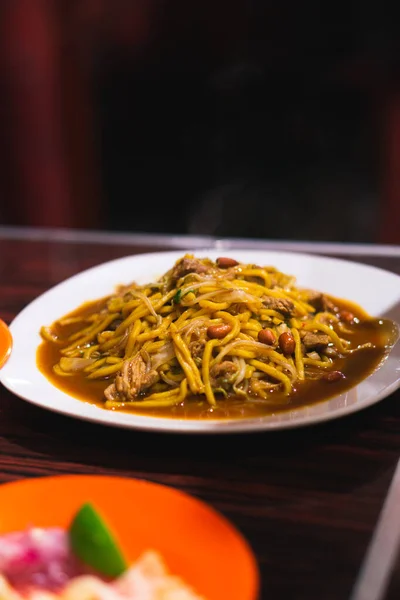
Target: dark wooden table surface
{"type": "Point", "coordinates": [307, 500]}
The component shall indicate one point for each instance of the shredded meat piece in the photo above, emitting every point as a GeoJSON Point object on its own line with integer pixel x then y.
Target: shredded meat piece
{"type": "Point", "coordinates": [314, 341]}
{"type": "Point", "coordinates": [123, 289]}
{"type": "Point", "coordinates": [238, 308]}
{"type": "Point", "coordinates": [328, 305]}
{"type": "Point", "coordinates": [320, 302]}
{"type": "Point", "coordinates": [115, 324]}
{"type": "Point", "coordinates": [256, 279]}
{"type": "Point", "coordinates": [222, 371]}
{"type": "Point", "coordinates": [274, 280]}
{"type": "Point", "coordinates": [314, 298]}
{"type": "Point", "coordinates": [197, 348]}
{"type": "Point", "coordinates": [331, 352]}
{"type": "Point", "coordinates": [282, 305]}
{"type": "Point", "coordinates": [188, 265]}
{"type": "Point", "coordinates": [133, 378]}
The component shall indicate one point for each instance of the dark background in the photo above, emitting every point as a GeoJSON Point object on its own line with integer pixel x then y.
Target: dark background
{"type": "Point", "coordinates": [245, 119]}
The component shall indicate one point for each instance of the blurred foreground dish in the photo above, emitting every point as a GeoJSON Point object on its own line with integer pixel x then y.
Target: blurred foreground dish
{"type": "Point", "coordinates": [107, 537]}
{"type": "Point", "coordinates": [55, 563]}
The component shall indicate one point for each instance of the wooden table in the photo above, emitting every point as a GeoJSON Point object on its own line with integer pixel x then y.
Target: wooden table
{"type": "Point", "coordinates": [307, 500]}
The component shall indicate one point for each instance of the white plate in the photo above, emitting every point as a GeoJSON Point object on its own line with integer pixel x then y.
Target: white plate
{"type": "Point", "coordinates": [376, 290]}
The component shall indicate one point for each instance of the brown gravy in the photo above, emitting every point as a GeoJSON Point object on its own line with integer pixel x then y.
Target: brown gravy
{"type": "Point", "coordinates": [357, 366]}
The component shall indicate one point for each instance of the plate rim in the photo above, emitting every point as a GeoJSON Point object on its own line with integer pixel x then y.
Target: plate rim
{"type": "Point", "coordinates": [197, 426]}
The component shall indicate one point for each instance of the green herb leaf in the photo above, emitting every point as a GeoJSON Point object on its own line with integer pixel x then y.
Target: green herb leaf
{"type": "Point", "coordinates": [177, 298]}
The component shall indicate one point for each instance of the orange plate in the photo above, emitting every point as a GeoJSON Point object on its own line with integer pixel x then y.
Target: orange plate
{"type": "Point", "coordinates": [5, 343]}
{"type": "Point", "coordinates": [196, 542]}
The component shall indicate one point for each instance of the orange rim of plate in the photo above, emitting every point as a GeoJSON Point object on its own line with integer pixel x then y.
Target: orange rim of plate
{"type": "Point", "coordinates": [5, 343]}
{"type": "Point", "coordinates": [196, 541]}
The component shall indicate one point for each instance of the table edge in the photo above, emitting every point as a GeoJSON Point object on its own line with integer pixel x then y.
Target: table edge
{"type": "Point", "coordinates": [181, 241]}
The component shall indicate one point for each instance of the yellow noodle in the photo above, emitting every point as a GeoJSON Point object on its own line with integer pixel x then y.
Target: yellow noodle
{"type": "Point", "coordinates": [187, 369]}
{"type": "Point", "coordinates": [105, 336]}
{"type": "Point", "coordinates": [298, 354]}
{"type": "Point", "coordinates": [57, 369]}
{"type": "Point", "coordinates": [134, 332]}
{"type": "Point", "coordinates": [206, 372]}
{"type": "Point", "coordinates": [295, 323]}
{"type": "Point", "coordinates": [176, 398]}
{"type": "Point", "coordinates": [272, 372]}
{"type": "Point", "coordinates": [98, 363]}
{"type": "Point", "coordinates": [70, 321]}
{"type": "Point", "coordinates": [249, 371]}
{"type": "Point", "coordinates": [166, 310]}
{"type": "Point", "coordinates": [127, 307]}
{"type": "Point", "coordinates": [317, 363]}
{"type": "Point", "coordinates": [175, 377]}
{"type": "Point", "coordinates": [154, 346]}
{"type": "Point", "coordinates": [131, 304]}
{"type": "Point", "coordinates": [47, 335]}
{"type": "Point", "coordinates": [91, 335]}
{"type": "Point", "coordinates": [153, 333]}
{"type": "Point", "coordinates": [244, 316]}
{"type": "Point", "coordinates": [188, 364]}
{"type": "Point", "coordinates": [82, 332]}
{"type": "Point", "coordinates": [269, 312]}
{"type": "Point", "coordinates": [258, 273]}
{"type": "Point", "coordinates": [188, 315]}
{"type": "Point", "coordinates": [87, 353]}
{"type": "Point", "coordinates": [105, 371]}
{"type": "Point", "coordinates": [208, 289]}
{"type": "Point", "coordinates": [111, 343]}
{"type": "Point", "coordinates": [327, 315]}
{"type": "Point", "coordinates": [142, 311]}
{"type": "Point", "coordinates": [214, 305]}
{"type": "Point", "coordinates": [162, 395]}
{"type": "Point", "coordinates": [243, 353]}
{"type": "Point", "coordinates": [251, 325]}
{"type": "Point", "coordinates": [256, 289]}
{"type": "Point", "coordinates": [200, 313]}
